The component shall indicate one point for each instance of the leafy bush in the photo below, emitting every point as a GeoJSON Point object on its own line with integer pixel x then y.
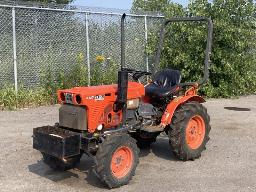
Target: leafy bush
{"type": "Point", "coordinates": [51, 81]}
{"type": "Point", "coordinates": [24, 98]}
{"type": "Point", "coordinates": [104, 71]}
{"type": "Point", "coordinates": [233, 68]}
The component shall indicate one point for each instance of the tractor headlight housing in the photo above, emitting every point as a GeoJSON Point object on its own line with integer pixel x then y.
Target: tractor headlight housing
{"type": "Point", "coordinates": [78, 99]}
{"type": "Point", "coordinates": [62, 97]}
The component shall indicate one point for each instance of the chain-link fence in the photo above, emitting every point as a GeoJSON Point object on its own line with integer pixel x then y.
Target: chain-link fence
{"type": "Point", "coordinates": [35, 38]}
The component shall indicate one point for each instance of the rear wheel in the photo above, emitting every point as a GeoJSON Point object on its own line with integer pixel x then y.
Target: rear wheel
{"type": "Point", "coordinates": [117, 159]}
{"type": "Point", "coordinates": [189, 131]}
{"type": "Point", "coordinates": [60, 165]}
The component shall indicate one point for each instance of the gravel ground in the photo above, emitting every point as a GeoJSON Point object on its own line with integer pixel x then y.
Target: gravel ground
{"type": "Point", "coordinates": [228, 164]}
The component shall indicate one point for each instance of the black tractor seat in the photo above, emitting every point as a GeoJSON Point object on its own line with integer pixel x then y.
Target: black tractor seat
{"type": "Point", "coordinates": [164, 83]}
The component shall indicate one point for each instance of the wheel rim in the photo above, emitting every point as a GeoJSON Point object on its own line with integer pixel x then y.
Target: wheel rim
{"type": "Point", "coordinates": [121, 162]}
{"type": "Point", "coordinates": [195, 132]}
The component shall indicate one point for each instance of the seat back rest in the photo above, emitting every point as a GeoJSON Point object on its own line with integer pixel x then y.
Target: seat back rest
{"type": "Point", "coordinates": [167, 78]}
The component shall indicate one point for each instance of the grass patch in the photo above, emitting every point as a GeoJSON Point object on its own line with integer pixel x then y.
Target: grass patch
{"type": "Point", "coordinates": [9, 100]}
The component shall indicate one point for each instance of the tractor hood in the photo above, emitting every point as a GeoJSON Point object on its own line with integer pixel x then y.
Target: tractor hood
{"type": "Point", "coordinates": [79, 95]}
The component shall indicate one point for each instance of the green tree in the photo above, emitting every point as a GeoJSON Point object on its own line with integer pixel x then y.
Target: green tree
{"type": "Point", "coordinates": [233, 69]}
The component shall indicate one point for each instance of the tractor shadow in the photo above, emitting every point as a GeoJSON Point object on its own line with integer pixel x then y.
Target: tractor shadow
{"type": "Point", "coordinates": [86, 166]}
{"type": "Point", "coordinates": [82, 170]}
{"type": "Point", "coordinates": [43, 170]}
{"type": "Point", "coordinates": [160, 148]}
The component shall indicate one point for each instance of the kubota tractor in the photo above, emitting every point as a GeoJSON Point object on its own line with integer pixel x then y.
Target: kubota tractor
{"type": "Point", "coordinates": [111, 122]}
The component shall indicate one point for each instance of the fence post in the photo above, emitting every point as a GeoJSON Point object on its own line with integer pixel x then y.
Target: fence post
{"type": "Point", "coordinates": [14, 51]}
{"type": "Point", "coordinates": [146, 40]}
{"type": "Point", "coordinates": [88, 48]}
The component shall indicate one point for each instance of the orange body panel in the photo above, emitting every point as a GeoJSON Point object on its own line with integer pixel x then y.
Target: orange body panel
{"type": "Point", "coordinates": [99, 101]}
{"type": "Point", "coordinates": [172, 106]}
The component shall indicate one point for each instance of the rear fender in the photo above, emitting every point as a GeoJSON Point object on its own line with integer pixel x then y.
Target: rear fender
{"type": "Point", "coordinates": [174, 104]}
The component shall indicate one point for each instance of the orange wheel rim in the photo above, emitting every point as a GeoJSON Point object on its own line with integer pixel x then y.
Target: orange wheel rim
{"type": "Point", "coordinates": [195, 132]}
{"type": "Point", "coordinates": [121, 162]}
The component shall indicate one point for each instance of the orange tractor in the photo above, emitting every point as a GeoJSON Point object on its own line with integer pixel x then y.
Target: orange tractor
{"type": "Point", "coordinates": [111, 122]}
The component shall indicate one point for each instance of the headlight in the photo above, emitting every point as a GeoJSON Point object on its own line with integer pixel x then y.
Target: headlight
{"type": "Point", "coordinates": [68, 98]}
{"type": "Point", "coordinates": [99, 128]}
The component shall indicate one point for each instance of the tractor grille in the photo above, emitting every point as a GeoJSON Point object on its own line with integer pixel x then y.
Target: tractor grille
{"type": "Point", "coordinates": [74, 117]}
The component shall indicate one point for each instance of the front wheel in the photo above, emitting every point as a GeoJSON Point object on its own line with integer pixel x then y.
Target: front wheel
{"type": "Point", "coordinates": [116, 160]}
{"type": "Point", "coordinates": [189, 131]}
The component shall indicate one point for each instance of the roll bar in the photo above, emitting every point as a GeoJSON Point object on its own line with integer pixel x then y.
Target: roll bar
{"type": "Point", "coordinates": [122, 42]}
{"type": "Point", "coordinates": [208, 45]}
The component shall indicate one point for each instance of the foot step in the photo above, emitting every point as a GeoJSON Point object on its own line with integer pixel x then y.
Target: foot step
{"type": "Point", "coordinates": [156, 128]}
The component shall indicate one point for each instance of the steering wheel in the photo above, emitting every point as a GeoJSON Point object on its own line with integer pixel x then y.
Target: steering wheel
{"type": "Point", "coordinates": [136, 75]}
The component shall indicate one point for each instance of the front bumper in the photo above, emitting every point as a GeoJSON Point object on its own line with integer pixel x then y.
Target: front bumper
{"type": "Point", "coordinates": [57, 142]}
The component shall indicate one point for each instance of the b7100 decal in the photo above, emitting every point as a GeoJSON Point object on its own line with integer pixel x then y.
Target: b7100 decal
{"type": "Point", "coordinates": [96, 97]}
